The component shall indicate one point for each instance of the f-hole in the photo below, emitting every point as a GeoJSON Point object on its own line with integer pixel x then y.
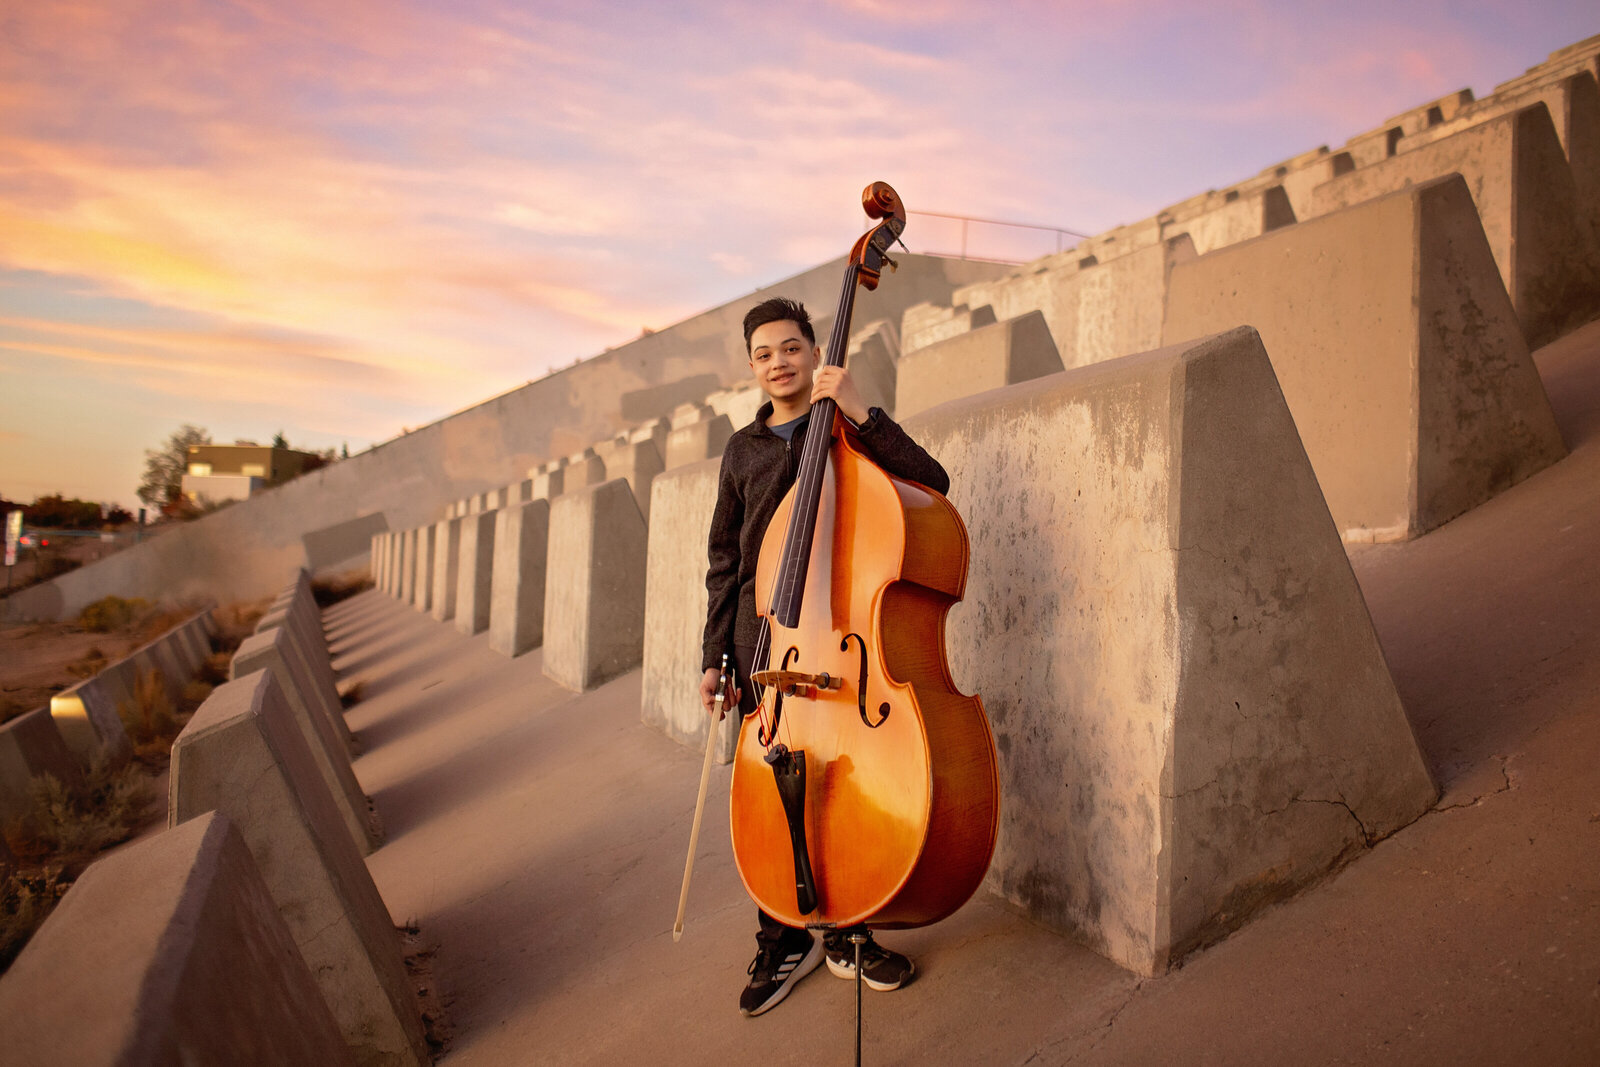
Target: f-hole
{"type": "Point", "coordinates": [861, 684]}
{"type": "Point", "coordinates": [767, 737]}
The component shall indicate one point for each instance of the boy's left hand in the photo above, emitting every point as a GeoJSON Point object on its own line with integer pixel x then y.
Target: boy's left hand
{"type": "Point", "coordinates": [835, 382]}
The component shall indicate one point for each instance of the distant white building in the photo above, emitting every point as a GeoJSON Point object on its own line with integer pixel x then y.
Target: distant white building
{"type": "Point", "coordinates": [215, 488]}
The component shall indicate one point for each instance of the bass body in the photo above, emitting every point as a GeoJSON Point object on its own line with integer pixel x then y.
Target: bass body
{"type": "Point", "coordinates": [901, 791]}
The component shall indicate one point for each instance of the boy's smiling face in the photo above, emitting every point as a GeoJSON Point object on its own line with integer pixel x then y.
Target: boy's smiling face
{"type": "Point", "coordinates": [783, 360]}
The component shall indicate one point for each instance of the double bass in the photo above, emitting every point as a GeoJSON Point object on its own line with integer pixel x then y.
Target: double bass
{"type": "Point", "coordinates": [864, 791]}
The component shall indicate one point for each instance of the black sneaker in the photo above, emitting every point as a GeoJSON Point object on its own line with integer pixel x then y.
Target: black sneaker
{"type": "Point", "coordinates": [880, 969]}
{"type": "Point", "coordinates": [777, 967]}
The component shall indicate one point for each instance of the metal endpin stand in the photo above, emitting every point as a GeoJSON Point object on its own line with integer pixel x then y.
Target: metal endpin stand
{"type": "Point", "coordinates": [858, 937]}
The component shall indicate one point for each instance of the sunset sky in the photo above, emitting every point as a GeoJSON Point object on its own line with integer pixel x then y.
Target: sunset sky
{"type": "Point", "coordinates": [338, 219]}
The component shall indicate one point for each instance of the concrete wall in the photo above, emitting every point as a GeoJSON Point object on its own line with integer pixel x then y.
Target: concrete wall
{"type": "Point", "coordinates": [636, 462]}
{"type": "Point", "coordinates": [475, 573]}
{"type": "Point", "coordinates": [675, 607]}
{"type": "Point", "coordinates": [1395, 134]}
{"type": "Point", "coordinates": [168, 951]}
{"type": "Point", "coordinates": [1218, 219]}
{"type": "Point", "coordinates": [241, 755]}
{"type": "Point", "coordinates": [1192, 713]}
{"type": "Point", "coordinates": [331, 546]}
{"type": "Point", "coordinates": [549, 479]}
{"type": "Point", "coordinates": [594, 586]}
{"type": "Point", "coordinates": [87, 718]}
{"type": "Point", "coordinates": [446, 568]}
{"type": "Point", "coordinates": [1581, 55]}
{"type": "Point", "coordinates": [269, 651]}
{"type": "Point", "coordinates": [1095, 310]}
{"type": "Point", "coordinates": [375, 553]}
{"type": "Point", "coordinates": [1111, 244]}
{"type": "Point", "coordinates": [1574, 106]}
{"type": "Point", "coordinates": [739, 402]}
{"type": "Point", "coordinates": [243, 550]}
{"type": "Point", "coordinates": [1016, 350]}
{"type": "Point", "coordinates": [87, 714]}
{"type": "Point", "coordinates": [1525, 195]}
{"type": "Point", "coordinates": [698, 441]}
{"type": "Point", "coordinates": [1299, 176]}
{"type": "Point", "coordinates": [403, 562]}
{"type": "Point", "coordinates": [408, 566]}
{"type": "Point", "coordinates": [516, 595]}
{"type": "Point", "coordinates": [872, 361]}
{"type": "Point", "coordinates": [928, 324]}
{"type": "Point", "coordinates": [422, 588]}
{"type": "Point", "coordinates": [383, 553]}
{"type": "Point", "coordinates": [1396, 349]}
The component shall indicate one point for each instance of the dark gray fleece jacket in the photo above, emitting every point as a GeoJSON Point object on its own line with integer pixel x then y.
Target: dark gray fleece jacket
{"type": "Point", "coordinates": [758, 467]}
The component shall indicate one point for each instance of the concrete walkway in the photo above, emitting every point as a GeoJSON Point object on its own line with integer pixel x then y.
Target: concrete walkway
{"type": "Point", "coordinates": [538, 837]}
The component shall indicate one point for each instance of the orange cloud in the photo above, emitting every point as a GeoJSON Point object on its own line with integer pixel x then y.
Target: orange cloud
{"type": "Point", "coordinates": [408, 207]}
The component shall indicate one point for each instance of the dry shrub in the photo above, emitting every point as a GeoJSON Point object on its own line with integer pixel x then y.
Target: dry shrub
{"type": "Point", "coordinates": [93, 662]}
{"type": "Point", "coordinates": [69, 822]}
{"type": "Point", "coordinates": [151, 720]}
{"type": "Point", "coordinates": [50, 563]}
{"type": "Point", "coordinates": [235, 622]}
{"type": "Point", "coordinates": [66, 825]}
{"type": "Point", "coordinates": [159, 621]}
{"type": "Point", "coordinates": [111, 613]}
{"type": "Point", "coordinates": [194, 694]}
{"type": "Point", "coordinates": [26, 900]}
{"type": "Point", "coordinates": [214, 671]}
{"type": "Point", "coordinates": [326, 591]}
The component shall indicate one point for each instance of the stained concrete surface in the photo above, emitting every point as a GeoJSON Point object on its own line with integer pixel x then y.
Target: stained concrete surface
{"type": "Point", "coordinates": [1190, 708]}
{"type": "Point", "coordinates": [170, 951]}
{"type": "Point", "coordinates": [537, 836]}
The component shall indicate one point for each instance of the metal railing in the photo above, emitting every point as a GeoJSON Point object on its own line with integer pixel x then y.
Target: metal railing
{"type": "Point", "coordinates": [990, 240]}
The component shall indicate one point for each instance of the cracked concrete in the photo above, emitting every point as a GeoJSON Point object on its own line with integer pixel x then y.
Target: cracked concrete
{"type": "Point", "coordinates": [538, 838]}
{"type": "Point", "coordinates": [1505, 787]}
{"type": "Point", "coordinates": [1361, 827]}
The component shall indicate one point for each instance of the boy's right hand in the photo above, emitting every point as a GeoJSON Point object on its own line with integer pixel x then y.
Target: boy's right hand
{"type": "Point", "coordinates": [708, 690]}
{"type": "Point", "coordinates": [708, 693]}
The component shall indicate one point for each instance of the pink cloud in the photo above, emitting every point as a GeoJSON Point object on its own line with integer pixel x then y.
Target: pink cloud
{"type": "Point", "coordinates": [430, 203]}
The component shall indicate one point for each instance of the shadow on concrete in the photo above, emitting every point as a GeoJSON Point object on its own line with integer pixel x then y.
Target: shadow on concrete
{"type": "Point", "coordinates": [537, 836]}
{"type": "Point", "coordinates": [1486, 645]}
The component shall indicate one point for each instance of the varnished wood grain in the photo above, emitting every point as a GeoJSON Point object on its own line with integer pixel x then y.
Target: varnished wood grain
{"type": "Point", "coordinates": [901, 819]}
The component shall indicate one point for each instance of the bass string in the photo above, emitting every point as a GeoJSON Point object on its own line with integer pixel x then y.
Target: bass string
{"type": "Point", "coordinates": [808, 488]}
{"type": "Point", "coordinates": [761, 659]}
{"type": "Point", "coordinates": [813, 462]}
{"type": "Point", "coordinates": [758, 661]}
{"type": "Point", "coordinates": [815, 455]}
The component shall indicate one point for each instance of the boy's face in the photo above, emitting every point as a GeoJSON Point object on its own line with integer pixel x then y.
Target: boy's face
{"type": "Point", "coordinates": [782, 359]}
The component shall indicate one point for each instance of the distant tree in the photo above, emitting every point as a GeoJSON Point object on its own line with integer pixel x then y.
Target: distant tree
{"type": "Point", "coordinates": [164, 468]}
{"type": "Point", "coordinates": [279, 441]}
{"type": "Point", "coordinates": [118, 515]}
{"type": "Point", "coordinates": [56, 512]}
{"type": "Point", "coordinates": [189, 510]}
{"type": "Point", "coordinates": [344, 451]}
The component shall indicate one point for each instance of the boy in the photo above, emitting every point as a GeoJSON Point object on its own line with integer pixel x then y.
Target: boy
{"type": "Point", "coordinates": [758, 467]}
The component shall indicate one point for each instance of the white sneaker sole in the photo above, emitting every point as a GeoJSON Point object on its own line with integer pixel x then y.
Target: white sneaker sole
{"type": "Point", "coordinates": [848, 971]}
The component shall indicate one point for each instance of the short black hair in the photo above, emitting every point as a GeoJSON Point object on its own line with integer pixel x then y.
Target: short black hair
{"type": "Point", "coordinates": [778, 309]}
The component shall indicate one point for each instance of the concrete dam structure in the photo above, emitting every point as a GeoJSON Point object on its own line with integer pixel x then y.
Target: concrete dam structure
{"type": "Point", "coordinates": [1233, 477]}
